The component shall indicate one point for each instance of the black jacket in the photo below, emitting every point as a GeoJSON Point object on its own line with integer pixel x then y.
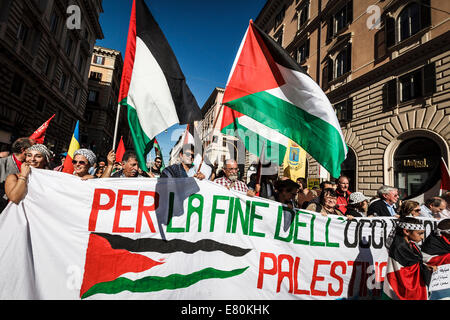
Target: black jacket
{"type": "Point", "coordinates": [379, 208]}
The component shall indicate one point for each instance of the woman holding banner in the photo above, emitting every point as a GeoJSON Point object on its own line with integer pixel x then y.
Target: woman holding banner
{"type": "Point", "coordinates": [37, 156]}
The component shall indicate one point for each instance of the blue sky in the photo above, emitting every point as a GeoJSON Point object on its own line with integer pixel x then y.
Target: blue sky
{"type": "Point", "coordinates": [204, 35]}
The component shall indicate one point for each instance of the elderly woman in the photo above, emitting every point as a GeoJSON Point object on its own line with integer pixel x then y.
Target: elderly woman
{"type": "Point", "coordinates": [327, 203]}
{"type": "Point", "coordinates": [358, 204]}
{"type": "Point", "coordinates": [83, 160]}
{"type": "Point", "coordinates": [36, 156]}
{"type": "Point", "coordinates": [409, 208]}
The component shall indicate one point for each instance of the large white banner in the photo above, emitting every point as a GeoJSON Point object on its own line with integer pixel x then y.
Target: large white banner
{"type": "Point", "coordinates": [141, 238]}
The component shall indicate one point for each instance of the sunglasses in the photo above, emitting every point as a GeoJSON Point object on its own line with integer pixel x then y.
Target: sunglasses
{"type": "Point", "coordinates": [83, 163]}
{"type": "Point", "coordinates": [416, 210]}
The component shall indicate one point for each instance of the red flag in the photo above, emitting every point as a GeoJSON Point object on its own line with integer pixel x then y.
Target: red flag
{"type": "Point", "coordinates": [39, 134]}
{"type": "Point", "coordinates": [445, 177]}
{"type": "Point", "coordinates": [120, 150]}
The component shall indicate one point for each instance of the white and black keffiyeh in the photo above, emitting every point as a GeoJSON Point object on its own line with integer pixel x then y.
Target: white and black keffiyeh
{"type": "Point", "coordinates": [42, 150]}
{"type": "Point", "coordinates": [417, 225]}
{"type": "Point", "coordinates": [88, 154]}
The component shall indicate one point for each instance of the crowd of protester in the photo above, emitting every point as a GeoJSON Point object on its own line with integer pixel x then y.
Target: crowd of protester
{"type": "Point", "coordinates": [333, 197]}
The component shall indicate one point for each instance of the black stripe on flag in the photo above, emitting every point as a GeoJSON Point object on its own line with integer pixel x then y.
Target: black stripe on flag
{"type": "Point", "coordinates": [147, 29]}
{"type": "Point", "coordinates": [278, 53]}
{"type": "Point", "coordinates": [169, 246]}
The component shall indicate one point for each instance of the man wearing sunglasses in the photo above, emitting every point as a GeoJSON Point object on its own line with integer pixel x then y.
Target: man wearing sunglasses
{"type": "Point", "coordinates": [182, 169]}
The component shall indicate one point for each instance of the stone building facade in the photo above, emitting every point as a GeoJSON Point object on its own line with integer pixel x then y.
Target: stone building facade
{"type": "Point", "coordinates": [44, 67]}
{"type": "Point", "coordinates": [385, 69]}
{"type": "Point", "coordinates": [101, 111]}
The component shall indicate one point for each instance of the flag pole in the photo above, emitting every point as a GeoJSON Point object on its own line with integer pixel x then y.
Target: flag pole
{"type": "Point", "coordinates": [116, 127]}
{"type": "Point", "coordinates": [210, 137]}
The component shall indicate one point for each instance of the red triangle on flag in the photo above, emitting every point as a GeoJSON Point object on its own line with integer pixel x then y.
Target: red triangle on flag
{"type": "Point", "coordinates": [103, 263]}
{"type": "Point", "coordinates": [120, 150]}
{"type": "Point", "coordinates": [39, 134]}
{"type": "Point", "coordinates": [255, 69]}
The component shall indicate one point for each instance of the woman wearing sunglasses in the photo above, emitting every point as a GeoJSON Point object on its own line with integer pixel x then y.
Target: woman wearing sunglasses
{"type": "Point", "coordinates": [409, 208]}
{"type": "Point", "coordinates": [36, 156]}
{"type": "Point", "coordinates": [83, 160]}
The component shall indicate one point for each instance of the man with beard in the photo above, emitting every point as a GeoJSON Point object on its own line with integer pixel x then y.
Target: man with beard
{"type": "Point", "coordinates": [230, 180]}
{"type": "Point", "coordinates": [184, 168]}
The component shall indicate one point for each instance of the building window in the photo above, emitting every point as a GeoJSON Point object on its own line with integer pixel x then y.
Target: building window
{"type": "Point", "coordinates": [303, 52]}
{"type": "Point", "coordinates": [340, 20]}
{"type": "Point", "coordinates": [344, 111]}
{"type": "Point", "coordinates": [76, 90]}
{"type": "Point", "coordinates": [17, 85]}
{"type": "Point", "coordinates": [40, 104]}
{"type": "Point", "coordinates": [279, 17]}
{"type": "Point", "coordinates": [416, 84]}
{"type": "Point", "coordinates": [410, 86]}
{"type": "Point", "coordinates": [93, 96]}
{"type": "Point", "coordinates": [22, 33]}
{"type": "Point", "coordinates": [414, 17]}
{"type": "Point", "coordinates": [338, 66]}
{"type": "Point", "coordinates": [303, 15]}
{"type": "Point", "coordinates": [54, 21]}
{"type": "Point", "coordinates": [99, 60]}
{"type": "Point", "coordinates": [96, 76]}
{"type": "Point", "coordinates": [278, 37]}
{"type": "Point", "coordinates": [409, 21]}
{"type": "Point", "coordinates": [68, 46]}
{"type": "Point", "coordinates": [62, 82]}
{"type": "Point", "coordinates": [80, 63]}
{"type": "Point", "coordinates": [47, 65]}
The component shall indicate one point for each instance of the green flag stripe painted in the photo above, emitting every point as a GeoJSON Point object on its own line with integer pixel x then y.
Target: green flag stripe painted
{"type": "Point", "coordinates": [320, 139]}
{"type": "Point", "coordinates": [142, 143]}
{"type": "Point", "coordinates": [153, 283]}
{"type": "Point", "coordinates": [254, 142]}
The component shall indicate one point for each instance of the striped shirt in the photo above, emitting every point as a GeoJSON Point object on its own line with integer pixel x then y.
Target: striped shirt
{"type": "Point", "coordinates": [237, 186]}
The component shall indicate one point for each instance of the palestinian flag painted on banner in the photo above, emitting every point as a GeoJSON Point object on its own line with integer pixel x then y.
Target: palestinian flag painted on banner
{"type": "Point", "coordinates": [153, 87]}
{"type": "Point", "coordinates": [268, 87]}
{"type": "Point", "coordinates": [406, 277]}
{"type": "Point", "coordinates": [114, 264]}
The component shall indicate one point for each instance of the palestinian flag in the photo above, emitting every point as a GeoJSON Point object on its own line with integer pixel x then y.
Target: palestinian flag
{"type": "Point", "coordinates": [158, 152]}
{"type": "Point", "coordinates": [153, 87]}
{"type": "Point", "coordinates": [267, 87]}
{"type": "Point", "coordinates": [116, 264]}
{"type": "Point", "coordinates": [406, 277]}
{"type": "Point", "coordinates": [436, 250]}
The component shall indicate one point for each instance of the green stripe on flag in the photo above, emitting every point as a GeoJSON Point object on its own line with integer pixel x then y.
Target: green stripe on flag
{"type": "Point", "coordinates": [154, 283]}
{"type": "Point", "coordinates": [319, 138]}
{"type": "Point", "coordinates": [142, 143]}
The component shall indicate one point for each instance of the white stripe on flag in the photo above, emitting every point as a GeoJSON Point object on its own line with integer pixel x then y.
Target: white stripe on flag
{"type": "Point", "coordinates": [149, 93]}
